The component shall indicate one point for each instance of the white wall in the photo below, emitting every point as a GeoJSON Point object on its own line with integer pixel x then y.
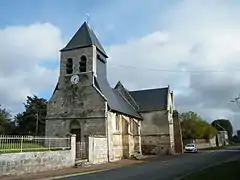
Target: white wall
{"type": "Point", "coordinates": [98, 150]}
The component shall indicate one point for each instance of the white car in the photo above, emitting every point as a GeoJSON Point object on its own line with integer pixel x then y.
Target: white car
{"type": "Point", "coordinates": [190, 148]}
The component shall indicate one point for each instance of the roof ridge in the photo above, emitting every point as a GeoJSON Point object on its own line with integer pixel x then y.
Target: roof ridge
{"type": "Point", "coordinates": [137, 111]}
{"type": "Point", "coordinates": [127, 91]}
{"type": "Point", "coordinates": [149, 89]}
{"type": "Point", "coordinates": [128, 101]}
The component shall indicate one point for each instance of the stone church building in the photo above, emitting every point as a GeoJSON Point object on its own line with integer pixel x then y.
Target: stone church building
{"type": "Point", "coordinates": [83, 103]}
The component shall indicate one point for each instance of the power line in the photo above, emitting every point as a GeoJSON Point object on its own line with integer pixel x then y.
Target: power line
{"type": "Point", "coordinates": [174, 70]}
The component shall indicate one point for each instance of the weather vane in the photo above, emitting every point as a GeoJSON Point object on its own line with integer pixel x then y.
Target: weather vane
{"type": "Point", "coordinates": [87, 17]}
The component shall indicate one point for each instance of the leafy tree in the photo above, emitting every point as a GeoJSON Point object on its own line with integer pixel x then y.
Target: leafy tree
{"type": "Point", "coordinates": [238, 133]}
{"type": "Point", "coordinates": [224, 124]}
{"type": "Point", "coordinates": [6, 125]}
{"type": "Point", "coordinates": [32, 120]}
{"type": "Point", "coordinates": [194, 127]}
{"type": "Point", "coordinates": [235, 138]}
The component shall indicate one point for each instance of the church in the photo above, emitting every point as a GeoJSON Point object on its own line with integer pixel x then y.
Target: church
{"type": "Point", "coordinates": [83, 103]}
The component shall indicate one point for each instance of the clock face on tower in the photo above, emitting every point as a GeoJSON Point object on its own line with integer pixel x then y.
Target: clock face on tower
{"type": "Point", "coordinates": [74, 79]}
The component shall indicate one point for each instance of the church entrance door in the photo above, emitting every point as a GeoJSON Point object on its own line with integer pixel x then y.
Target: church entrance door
{"type": "Point", "coordinates": [81, 146]}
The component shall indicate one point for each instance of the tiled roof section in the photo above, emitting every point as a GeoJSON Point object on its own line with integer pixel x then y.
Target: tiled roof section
{"type": "Point", "coordinates": [122, 90]}
{"type": "Point", "coordinates": [151, 99]}
{"type": "Point", "coordinates": [84, 37]}
{"type": "Point", "coordinates": [115, 100]}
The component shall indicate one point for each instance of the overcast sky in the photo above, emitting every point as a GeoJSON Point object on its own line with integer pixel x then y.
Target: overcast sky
{"type": "Point", "coordinates": [191, 45]}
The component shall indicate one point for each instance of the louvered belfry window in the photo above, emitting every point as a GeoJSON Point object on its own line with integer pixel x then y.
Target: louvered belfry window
{"type": "Point", "coordinates": [83, 64]}
{"type": "Point", "coordinates": [69, 66]}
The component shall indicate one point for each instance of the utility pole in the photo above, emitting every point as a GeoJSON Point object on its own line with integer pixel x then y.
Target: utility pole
{"type": "Point", "coordinates": [36, 124]}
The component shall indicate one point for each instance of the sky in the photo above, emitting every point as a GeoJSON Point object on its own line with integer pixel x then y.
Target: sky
{"type": "Point", "coordinates": [192, 46]}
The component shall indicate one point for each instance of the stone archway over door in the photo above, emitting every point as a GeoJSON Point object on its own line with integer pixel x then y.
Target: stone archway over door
{"type": "Point", "coordinates": [81, 149]}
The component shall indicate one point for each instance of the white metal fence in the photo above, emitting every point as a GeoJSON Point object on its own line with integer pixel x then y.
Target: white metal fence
{"type": "Point", "coordinates": [14, 143]}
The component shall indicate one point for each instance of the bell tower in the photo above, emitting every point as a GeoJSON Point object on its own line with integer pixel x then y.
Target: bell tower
{"type": "Point", "coordinates": [76, 96]}
{"type": "Point", "coordinates": [79, 57]}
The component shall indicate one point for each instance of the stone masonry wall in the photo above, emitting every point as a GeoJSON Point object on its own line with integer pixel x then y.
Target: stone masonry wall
{"type": "Point", "coordinates": [81, 101]}
{"type": "Point", "coordinates": [61, 127]}
{"type": "Point", "coordinates": [32, 162]}
{"type": "Point", "coordinates": [155, 135]}
{"type": "Point", "coordinates": [98, 150]}
{"type": "Point", "coordinates": [122, 142]}
{"type": "Point", "coordinates": [155, 144]}
{"type": "Point", "coordinates": [117, 146]}
{"type": "Point", "coordinates": [201, 143]}
{"type": "Point", "coordinates": [155, 122]}
{"type": "Point", "coordinates": [177, 133]}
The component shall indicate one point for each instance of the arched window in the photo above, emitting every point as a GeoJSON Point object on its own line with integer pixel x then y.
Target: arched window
{"type": "Point", "coordinates": [83, 64]}
{"type": "Point", "coordinates": [69, 66]}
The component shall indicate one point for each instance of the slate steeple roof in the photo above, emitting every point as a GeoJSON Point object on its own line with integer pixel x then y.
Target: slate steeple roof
{"type": "Point", "coordinates": [84, 37]}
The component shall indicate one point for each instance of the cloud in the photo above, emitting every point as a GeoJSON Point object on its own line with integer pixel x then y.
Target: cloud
{"type": "Point", "coordinates": [196, 36]}
{"type": "Point", "coordinates": [191, 35]}
{"type": "Point", "coordinates": [25, 52]}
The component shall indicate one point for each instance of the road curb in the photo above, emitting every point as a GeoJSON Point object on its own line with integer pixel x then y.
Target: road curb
{"type": "Point", "coordinates": [75, 174]}
{"type": "Point", "coordinates": [89, 171]}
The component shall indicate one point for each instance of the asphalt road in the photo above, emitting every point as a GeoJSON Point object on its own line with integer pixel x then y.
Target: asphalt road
{"type": "Point", "coordinates": [161, 170]}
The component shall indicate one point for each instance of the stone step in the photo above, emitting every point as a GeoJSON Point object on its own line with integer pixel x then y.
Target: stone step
{"type": "Point", "coordinates": [82, 163]}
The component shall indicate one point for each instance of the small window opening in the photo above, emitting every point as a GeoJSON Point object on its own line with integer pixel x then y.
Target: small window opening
{"type": "Point", "coordinates": [69, 66]}
{"type": "Point", "coordinates": [131, 125]}
{"type": "Point", "coordinates": [83, 64]}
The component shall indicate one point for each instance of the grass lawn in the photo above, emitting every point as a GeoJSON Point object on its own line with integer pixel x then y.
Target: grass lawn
{"type": "Point", "coordinates": [26, 147]}
{"type": "Point", "coordinates": [225, 171]}
{"type": "Point", "coordinates": [16, 147]}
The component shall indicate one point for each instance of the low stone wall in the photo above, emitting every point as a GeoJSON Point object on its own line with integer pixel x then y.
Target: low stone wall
{"type": "Point", "coordinates": [202, 143]}
{"type": "Point", "coordinates": [98, 149]}
{"type": "Point", "coordinates": [32, 162]}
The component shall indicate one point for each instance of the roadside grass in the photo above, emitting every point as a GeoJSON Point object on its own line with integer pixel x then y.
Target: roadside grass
{"type": "Point", "coordinates": [16, 147]}
{"type": "Point", "coordinates": [26, 147]}
{"type": "Point", "coordinates": [225, 171]}
{"type": "Point", "coordinates": [214, 148]}
{"type": "Point", "coordinates": [235, 144]}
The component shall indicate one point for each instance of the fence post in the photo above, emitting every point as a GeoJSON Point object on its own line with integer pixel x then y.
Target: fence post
{"type": "Point", "coordinates": [90, 149]}
{"type": "Point", "coordinates": [21, 143]}
{"type": "Point", "coordinates": [73, 146]}
{"type": "Point", "coordinates": [49, 146]}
